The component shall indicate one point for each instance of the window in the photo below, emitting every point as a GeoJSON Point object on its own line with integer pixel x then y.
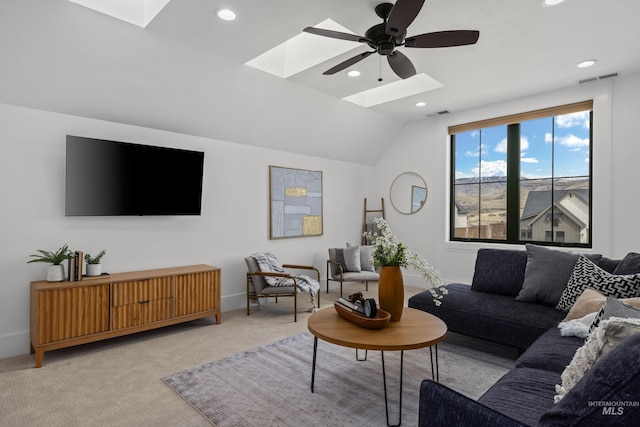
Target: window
{"type": "Point", "coordinates": [524, 178]}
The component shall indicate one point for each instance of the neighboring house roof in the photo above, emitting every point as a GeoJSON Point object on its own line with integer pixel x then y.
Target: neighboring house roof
{"type": "Point", "coordinates": [461, 209]}
{"type": "Point", "coordinates": [538, 200]}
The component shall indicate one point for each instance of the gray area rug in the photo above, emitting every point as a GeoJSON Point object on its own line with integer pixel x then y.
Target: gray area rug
{"type": "Point", "coordinates": [270, 385]}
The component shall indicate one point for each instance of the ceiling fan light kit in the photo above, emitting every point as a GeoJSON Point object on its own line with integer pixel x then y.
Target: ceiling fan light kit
{"type": "Point", "coordinates": [385, 37]}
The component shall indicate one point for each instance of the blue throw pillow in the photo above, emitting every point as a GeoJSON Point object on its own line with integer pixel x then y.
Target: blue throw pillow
{"type": "Point", "coordinates": [608, 394]}
{"type": "Point", "coordinates": [630, 264]}
{"type": "Point", "coordinates": [499, 271]}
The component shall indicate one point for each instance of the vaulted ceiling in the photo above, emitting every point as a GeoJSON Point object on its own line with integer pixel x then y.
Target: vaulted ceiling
{"type": "Point", "coordinates": [185, 71]}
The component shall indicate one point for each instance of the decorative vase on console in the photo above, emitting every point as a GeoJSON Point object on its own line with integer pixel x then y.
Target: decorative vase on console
{"type": "Point", "coordinates": [94, 266]}
{"type": "Point", "coordinates": [390, 255]}
{"type": "Point", "coordinates": [55, 272]}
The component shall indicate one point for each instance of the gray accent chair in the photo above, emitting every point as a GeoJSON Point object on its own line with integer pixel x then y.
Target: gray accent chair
{"type": "Point", "coordinates": [336, 272]}
{"type": "Point", "coordinates": [257, 286]}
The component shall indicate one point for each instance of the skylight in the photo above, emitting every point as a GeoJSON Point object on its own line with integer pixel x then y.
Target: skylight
{"type": "Point", "coordinates": [303, 51]}
{"type": "Point", "coordinates": [395, 90]}
{"type": "Point", "coordinates": [137, 12]}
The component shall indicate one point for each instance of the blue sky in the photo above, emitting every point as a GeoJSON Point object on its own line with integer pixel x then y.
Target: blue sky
{"type": "Point", "coordinates": [538, 156]}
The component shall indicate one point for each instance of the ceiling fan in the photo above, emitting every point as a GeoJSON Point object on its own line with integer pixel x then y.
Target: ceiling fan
{"type": "Point", "coordinates": [384, 38]}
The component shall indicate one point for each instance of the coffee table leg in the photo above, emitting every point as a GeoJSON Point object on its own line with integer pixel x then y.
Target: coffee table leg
{"type": "Point", "coordinates": [313, 366]}
{"type": "Point", "coordinates": [365, 356]}
{"type": "Point", "coordinates": [435, 374]}
{"type": "Point", "coordinates": [384, 381]}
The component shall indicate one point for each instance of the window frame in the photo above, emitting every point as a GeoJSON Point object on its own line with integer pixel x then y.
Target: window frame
{"type": "Point", "coordinates": [513, 226]}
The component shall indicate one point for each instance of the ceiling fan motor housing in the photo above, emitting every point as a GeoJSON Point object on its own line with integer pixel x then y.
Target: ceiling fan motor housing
{"type": "Point", "coordinates": [382, 42]}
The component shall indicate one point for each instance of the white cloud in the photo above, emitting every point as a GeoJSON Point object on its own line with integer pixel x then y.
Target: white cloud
{"type": "Point", "coordinates": [573, 141]}
{"type": "Point", "coordinates": [574, 119]}
{"type": "Point", "coordinates": [528, 160]}
{"type": "Point", "coordinates": [476, 153]}
{"type": "Point", "coordinates": [493, 168]}
{"type": "Point", "coordinates": [570, 141]}
{"type": "Point", "coordinates": [460, 175]}
{"type": "Point", "coordinates": [501, 147]}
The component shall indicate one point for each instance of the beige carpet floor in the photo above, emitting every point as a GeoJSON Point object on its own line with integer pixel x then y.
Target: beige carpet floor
{"type": "Point", "coordinates": [118, 382]}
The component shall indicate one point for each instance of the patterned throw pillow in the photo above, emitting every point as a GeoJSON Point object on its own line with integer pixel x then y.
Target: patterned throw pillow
{"type": "Point", "coordinates": [587, 274]}
{"type": "Point", "coordinates": [614, 307]}
{"type": "Point", "coordinates": [605, 338]}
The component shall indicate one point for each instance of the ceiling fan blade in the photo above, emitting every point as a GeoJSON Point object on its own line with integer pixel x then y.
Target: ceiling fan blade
{"type": "Point", "coordinates": [335, 34]}
{"type": "Point", "coordinates": [349, 62]}
{"type": "Point", "coordinates": [401, 65]}
{"type": "Point", "coordinates": [443, 39]}
{"type": "Point", "coordinates": [402, 15]}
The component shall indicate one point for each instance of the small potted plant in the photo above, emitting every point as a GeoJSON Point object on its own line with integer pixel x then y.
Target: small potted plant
{"type": "Point", "coordinates": [55, 273]}
{"type": "Point", "coordinates": [94, 265]}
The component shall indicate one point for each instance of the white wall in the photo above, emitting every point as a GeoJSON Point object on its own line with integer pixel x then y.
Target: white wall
{"type": "Point", "coordinates": [423, 147]}
{"type": "Point", "coordinates": [234, 221]}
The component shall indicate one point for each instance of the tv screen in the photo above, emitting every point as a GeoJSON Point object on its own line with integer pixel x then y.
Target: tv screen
{"type": "Point", "coordinates": [108, 178]}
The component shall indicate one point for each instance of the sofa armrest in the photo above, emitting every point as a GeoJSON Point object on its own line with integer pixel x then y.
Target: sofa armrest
{"type": "Point", "coordinates": [441, 406]}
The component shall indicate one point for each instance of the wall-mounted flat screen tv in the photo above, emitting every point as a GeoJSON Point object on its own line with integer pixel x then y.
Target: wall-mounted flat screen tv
{"type": "Point", "coordinates": [108, 178]}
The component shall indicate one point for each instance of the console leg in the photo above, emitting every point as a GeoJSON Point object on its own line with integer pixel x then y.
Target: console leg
{"type": "Point", "coordinates": [39, 357]}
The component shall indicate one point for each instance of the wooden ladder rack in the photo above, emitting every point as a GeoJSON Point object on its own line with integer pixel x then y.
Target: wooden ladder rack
{"type": "Point", "coordinates": [364, 217]}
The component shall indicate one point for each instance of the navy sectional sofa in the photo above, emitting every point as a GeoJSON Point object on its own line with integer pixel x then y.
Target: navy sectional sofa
{"type": "Point", "coordinates": [510, 304]}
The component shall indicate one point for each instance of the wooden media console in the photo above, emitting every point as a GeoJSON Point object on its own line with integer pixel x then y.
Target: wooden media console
{"type": "Point", "coordinates": [64, 314]}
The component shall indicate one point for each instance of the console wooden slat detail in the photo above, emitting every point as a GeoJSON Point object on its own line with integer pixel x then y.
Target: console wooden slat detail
{"type": "Point", "coordinates": [64, 314]}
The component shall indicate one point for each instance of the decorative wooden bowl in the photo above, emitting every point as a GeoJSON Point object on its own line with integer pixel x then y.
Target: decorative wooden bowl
{"type": "Point", "coordinates": [381, 320]}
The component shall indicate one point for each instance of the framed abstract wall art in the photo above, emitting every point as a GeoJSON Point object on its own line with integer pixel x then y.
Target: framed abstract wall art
{"type": "Point", "coordinates": [295, 201]}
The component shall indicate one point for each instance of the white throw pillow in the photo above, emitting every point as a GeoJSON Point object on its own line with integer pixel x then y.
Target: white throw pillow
{"type": "Point", "coordinates": [577, 327]}
{"type": "Point", "coordinates": [601, 341]}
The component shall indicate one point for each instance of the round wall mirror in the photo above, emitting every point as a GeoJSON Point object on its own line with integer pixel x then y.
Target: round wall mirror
{"type": "Point", "coordinates": [408, 193]}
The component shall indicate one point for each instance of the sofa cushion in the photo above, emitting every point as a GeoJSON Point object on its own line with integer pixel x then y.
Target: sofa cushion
{"type": "Point", "coordinates": [523, 394]}
{"type": "Point", "coordinates": [587, 274]}
{"type": "Point", "coordinates": [605, 338]}
{"type": "Point", "coordinates": [497, 318]}
{"type": "Point", "coordinates": [547, 274]}
{"type": "Point", "coordinates": [630, 264]}
{"type": "Point", "coordinates": [607, 264]}
{"type": "Point", "coordinates": [550, 352]}
{"type": "Point", "coordinates": [607, 395]}
{"type": "Point", "coordinates": [499, 271]}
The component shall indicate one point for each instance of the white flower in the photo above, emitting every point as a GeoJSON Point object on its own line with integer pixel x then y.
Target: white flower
{"type": "Point", "coordinates": [388, 251]}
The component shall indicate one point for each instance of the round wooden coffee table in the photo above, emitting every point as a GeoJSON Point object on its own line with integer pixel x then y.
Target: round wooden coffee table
{"type": "Point", "coordinates": [416, 329]}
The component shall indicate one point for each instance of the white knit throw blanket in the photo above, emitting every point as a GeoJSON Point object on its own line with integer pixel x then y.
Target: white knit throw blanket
{"type": "Point", "coordinates": [268, 263]}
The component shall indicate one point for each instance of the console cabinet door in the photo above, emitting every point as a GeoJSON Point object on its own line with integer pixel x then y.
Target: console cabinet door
{"type": "Point", "coordinates": [139, 302]}
{"type": "Point", "coordinates": [195, 292]}
{"type": "Point", "coordinates": [71, 312]}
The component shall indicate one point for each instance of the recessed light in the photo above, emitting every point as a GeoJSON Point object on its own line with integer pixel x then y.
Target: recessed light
{"type": "Point", "coordinates": [420, 104]}
{"type": "Point", "coordinates": [226, 14]}
{"type": "Point", "coordinates": [587, 63]}
{"type": "Point", "coordinates": [353, 73]}
{"type": "Point", "coordinates": [551, 2]}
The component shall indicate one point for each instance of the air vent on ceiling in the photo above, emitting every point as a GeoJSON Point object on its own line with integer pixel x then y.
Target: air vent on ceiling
{"type": "Point", "coordinates": [439, 113]}
{"type": "Point", "coordinates": [593, 79]}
